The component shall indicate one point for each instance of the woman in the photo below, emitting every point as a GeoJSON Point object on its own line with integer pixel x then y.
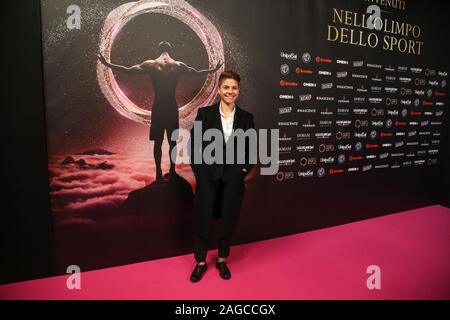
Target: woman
{"type": "Point", "coordinates": [220, 185]}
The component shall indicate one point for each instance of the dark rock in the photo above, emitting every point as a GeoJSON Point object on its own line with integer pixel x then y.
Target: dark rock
{"type": "Point", "coordinates": [171, 195]}
{"type": "Point", "coordinates": [82, 163]}
{"type": "Point", "coordinates": [104, 165]}
{"type": "Point", "coordinates": [68, 160]}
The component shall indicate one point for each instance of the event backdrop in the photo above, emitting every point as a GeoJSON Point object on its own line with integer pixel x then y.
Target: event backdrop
{"type": "Point", "coordinates": [357, 90]}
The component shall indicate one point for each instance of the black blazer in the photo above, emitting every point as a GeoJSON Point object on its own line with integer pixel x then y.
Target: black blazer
{"type": "Point", "coordinates": [210, 118]}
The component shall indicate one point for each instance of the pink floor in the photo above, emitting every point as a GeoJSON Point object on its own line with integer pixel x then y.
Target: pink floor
{"type": "Point", "coordinates": [411, 248]}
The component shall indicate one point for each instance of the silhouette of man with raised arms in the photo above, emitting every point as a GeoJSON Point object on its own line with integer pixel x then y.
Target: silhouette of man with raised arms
{"type": "Point", "coordinates": [164, 72]}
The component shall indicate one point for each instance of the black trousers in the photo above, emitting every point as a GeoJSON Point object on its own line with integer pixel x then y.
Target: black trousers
{"type": "Point", "coordinates": [201, 248]}
{"type": "Point", "coordinates": [220, 199]}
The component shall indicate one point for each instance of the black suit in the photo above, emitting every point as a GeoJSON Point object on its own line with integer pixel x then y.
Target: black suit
{"type": "Point", "coordinates": [220, 186]}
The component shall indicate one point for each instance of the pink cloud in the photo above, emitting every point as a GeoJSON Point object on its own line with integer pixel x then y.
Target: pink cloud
{"type": "Point", "coordinates": [86, 191]}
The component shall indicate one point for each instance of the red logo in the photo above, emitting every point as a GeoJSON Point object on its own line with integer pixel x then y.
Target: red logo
{"type": "Point", "coordinates": [333, 171]}
{"type": "Point", "coordinates": [427, 103]}
{"type": "Point", "coordinates": [352, 158]}
{"type": "Point", "coordinates": [288, 84]}
{"type": "Point", "coordinates": [439, 94]}
{"type": "Point", "coordinates": [372, 146]}
{"type": "Point", "coordinates": [319, 59]}
{"type": "Point", "coordinates": [300, 70]}
{"type": "Point", "coordinates": [384, 134]}
{"type": "Point", "coordinates": [415, 113]}
{"type": "Point", "coordinates": [399, 123]}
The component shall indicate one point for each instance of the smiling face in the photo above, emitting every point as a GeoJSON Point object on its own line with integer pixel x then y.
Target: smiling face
{"type": "Point", "coordinates": [228, 91]}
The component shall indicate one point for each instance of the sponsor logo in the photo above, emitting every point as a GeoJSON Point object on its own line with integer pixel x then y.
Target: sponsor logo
{"type": "Point", "coordinates": [280, 176]}
{"type": "Point", "coordinates": [407, 102]}
{"type": "Point", "coordinates": [303, 136]}
{"type": "Point", "coordinates": [326, 148]}
{"type": "Point", "coordinates": [326, 112]}
{"type": "Point", "coordinates": [321, 172]}
{"type": "Point", "coordinates": [324, 73]}
{"type": "Point", "coordinates": [306, 110]}
{"type": "Point", "coordinates": [303, 71]}
{"type": "Point", "coordinates": [405, 92]}
{"type": "Point", "coordinates": [323, 60]}
{"type": "Point", "coordinates": [308, 161]}
{"type": "Point", "coordinates": [390, 79]}
{"type": "Point", "coordinates": [285, 163]}
{"type": "Point", "coordinates": [309, 84]}
{"type": "Point", "coordinates": [288, 124]}
{"type": "Point", "coordinates": [325, 98]}
{"type": "Point", "coordinates": [361, 123]}
{"type": "Point", "coordinates": [420, 82]}
{"type": "Point", "coordinates": [288, 56]}
{"type": "Point", "coordinates": [430, 72]}
{"type": "Point", "coordinates": [284, 83]}
{"type": "Point", "coordinates": [305, 148]}
{"type": "Point", "coordinates": [341, 74]}
{"type": "Point", "coordinates": [339, 86]}
{"type": "Point", "coordinates": [359, 76]}
{"type": "Point", "coordinates": [325, 123]}
{"type": "Point", "coordinates": [323, 135]}
{"type": "Point", "coordinates": [343, 135]}
{"type": "Point", "coordinates": [286, 97]}
{"type": "Point", "coordinates": [419, 92]}
{"type": "Point", "coordinates": [306, 57]}
{"type": "Point", "coordinates": [284, 110]}
{"type": "Point", "coordinates": [327, 160]}
{"type": "Point", "coordinates": [390, 89]}
{"type": "Point", "coordinates": [375, 100]}
{"type": "Point", "coordinates": [391, 102]}
{"type": "Point", "coordinates": [345, 147]}
{"type": "Point", "coordinates": [326, 86]}
{"type": "Point", "coordinates": [360, 111]}
{"type": "Point", "coordinates": [284, 69]}
{"type": "Point", "coordinates": [343, 123]}
{"type": "Point", "coordinates": [405, 80]}
{"type": "Point", "coordinates": [392, 112]}
{"type": "Point", "coordinates": [375, 66]}
{"type": "Point", "coordinates": [372, 146]}
{"type": "Point", "coordinates": [305, 97]}
{"type": "Point", "coordinates": [306, 174]}
{"type": "Point", "coordinates": [358, 63]}
{"type": "Point", "coordinates": [341, 61]}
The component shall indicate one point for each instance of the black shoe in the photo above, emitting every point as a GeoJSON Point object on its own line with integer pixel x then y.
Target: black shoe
{"type": "Point", "coordinates": [223, 269]}
{"type": "Point", "coordinates": [198, 272]}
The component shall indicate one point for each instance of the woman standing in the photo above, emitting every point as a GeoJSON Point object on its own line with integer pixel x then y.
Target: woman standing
{"type": "Point", "coordinates": [220, 185]}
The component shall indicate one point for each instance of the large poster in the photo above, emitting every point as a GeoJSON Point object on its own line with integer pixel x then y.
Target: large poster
{"type": "Point", "coordinates": [356, 92]}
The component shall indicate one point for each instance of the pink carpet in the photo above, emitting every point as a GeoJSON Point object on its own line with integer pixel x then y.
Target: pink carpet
{"type": "Point", "coordinates": [411, 248]}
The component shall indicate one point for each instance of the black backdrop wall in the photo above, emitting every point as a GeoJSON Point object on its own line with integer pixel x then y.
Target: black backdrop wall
{"type": "Point", "coordinates": [26, 227]}
{"type": "Point", "coordinates": [272, 207]}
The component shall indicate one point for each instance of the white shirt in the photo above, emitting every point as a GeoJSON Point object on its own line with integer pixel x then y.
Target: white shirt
{"type": "Point", "coordinates": [227, 123]}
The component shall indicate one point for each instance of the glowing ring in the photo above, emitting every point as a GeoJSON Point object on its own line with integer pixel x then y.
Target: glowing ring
{"type": "Point", "coordinates": [182, 11]}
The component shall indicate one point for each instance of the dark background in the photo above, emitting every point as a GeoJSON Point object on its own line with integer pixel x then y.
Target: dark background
{"type": "Point", "coordinates": [26, 224]}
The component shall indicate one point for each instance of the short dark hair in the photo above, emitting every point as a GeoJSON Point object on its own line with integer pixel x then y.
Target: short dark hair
{"type": "Point", "coordinates": [165, 46]}
{"type": "Point", "coordinates": [229, 75]}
